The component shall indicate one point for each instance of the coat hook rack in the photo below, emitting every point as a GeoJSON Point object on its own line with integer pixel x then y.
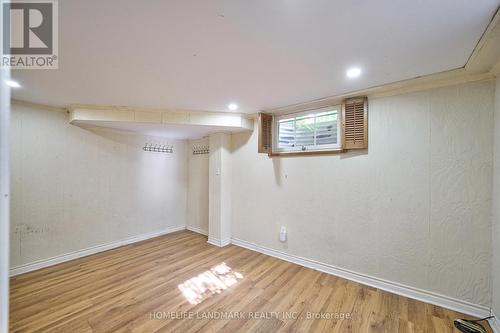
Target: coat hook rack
{"type": "Point", "coordinates": [158, 148]}
{"type": "Point", "coordinates": [201, 150]}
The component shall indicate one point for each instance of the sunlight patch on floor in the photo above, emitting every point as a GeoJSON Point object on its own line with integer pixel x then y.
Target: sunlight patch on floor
{"type": "Point", "coordinates": [212, 281]}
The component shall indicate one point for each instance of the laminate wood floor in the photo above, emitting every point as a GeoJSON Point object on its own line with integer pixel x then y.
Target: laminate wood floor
{"type": "Point", "coordinates": [174, 283]}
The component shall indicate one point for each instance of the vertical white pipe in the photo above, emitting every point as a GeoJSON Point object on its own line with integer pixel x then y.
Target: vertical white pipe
{"type": "Point", "coordinates": [4, 190]}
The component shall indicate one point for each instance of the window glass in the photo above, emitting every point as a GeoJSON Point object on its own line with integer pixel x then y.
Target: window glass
{"type": "Point", "coordinates": [315, 130]}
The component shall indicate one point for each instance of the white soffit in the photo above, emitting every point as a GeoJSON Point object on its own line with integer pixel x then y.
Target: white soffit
{"type": "Point", "coordinates": [175, 124]}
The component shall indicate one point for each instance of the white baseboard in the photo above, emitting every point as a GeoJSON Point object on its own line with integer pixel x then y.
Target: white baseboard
{"type": "Point", "coordinates": [396, 288]}
{"type": "Point", "coordinates": [197, 230]}
{"type": "Point", "coordinates": [88, 251]}
{"type": "Point", "coordinates": [495, 323]}
{"type": "Point", "coordinates": [219, 242]}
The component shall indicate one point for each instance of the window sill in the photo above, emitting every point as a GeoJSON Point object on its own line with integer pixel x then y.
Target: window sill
{"type": "Point", "coordinates": [314, 152]}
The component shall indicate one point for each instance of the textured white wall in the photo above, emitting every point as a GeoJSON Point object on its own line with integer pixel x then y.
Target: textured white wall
{"type": "Point", "coordinates": [73, 188]}
{"type": "Point", "coordinates": [414, 209]}
{"type": "Point", "coordinates": [496, 206]}
{"type": "Point", "coordinates": [197, 214]}
{"type": "Point", "coordinates": [219, 186]}
{"type": "Point", "coordinates": [4, 190]}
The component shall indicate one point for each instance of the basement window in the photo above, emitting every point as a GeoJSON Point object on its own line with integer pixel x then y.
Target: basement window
{"type": "Point", "coordinates": [313, 130]}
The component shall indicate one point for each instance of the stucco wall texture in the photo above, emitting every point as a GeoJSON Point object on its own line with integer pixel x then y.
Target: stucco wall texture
{"type": "Point", "coordinates": [414, 209]}
{"type": "Point", "coordinates": [74, 188]}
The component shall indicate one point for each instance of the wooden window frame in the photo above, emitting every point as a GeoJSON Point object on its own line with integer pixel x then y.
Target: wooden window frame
{"type": "Point", "coordinates": [268, 140]}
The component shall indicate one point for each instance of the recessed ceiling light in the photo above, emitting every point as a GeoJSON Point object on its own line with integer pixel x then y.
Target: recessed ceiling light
{"type": "Point", "coordinates": [12, 84]}
{"type": "Point", "coordinates": [233, 107]}
{"type": "Point", "coordinates": [353, 72]}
